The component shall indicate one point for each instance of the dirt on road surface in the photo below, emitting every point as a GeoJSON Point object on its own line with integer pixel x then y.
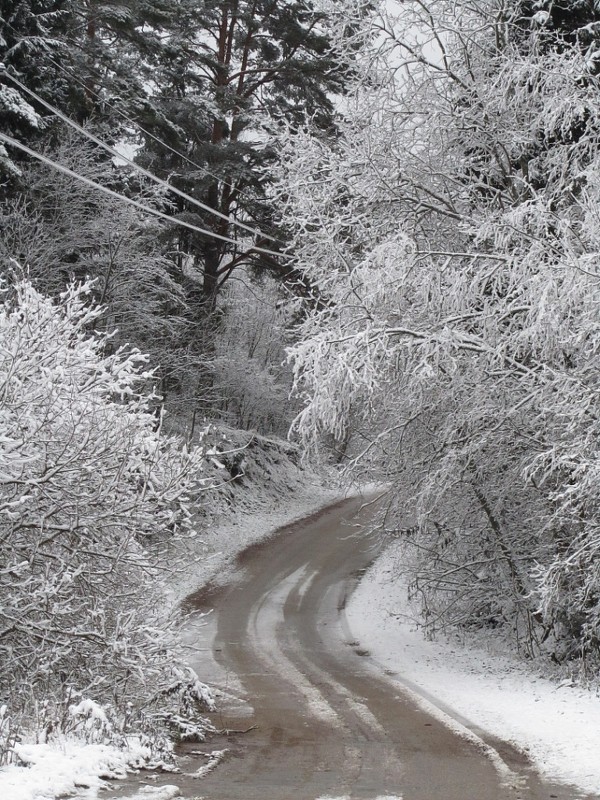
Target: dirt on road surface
{"type": "Point", "coordinates": [322, 720]}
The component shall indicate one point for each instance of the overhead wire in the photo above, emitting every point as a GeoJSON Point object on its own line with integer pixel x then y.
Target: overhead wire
{"type": "Point", "coordinates": [129, 200]}
{"type": "Point", "coordinates": [148, 133]}
{"type": "Point", "coordinates": [124, 116]}
{"type": "Point", "coordinates": [137, 167]}
{"type": "Point", "coordinates": [140, 127]}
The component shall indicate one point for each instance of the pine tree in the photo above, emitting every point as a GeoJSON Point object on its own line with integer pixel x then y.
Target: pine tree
{"type": "Point", "coordinates": [234, 71]}
{"type": "Point", "coordinates": [562, 23]}
{"type": "Point", "coordinates": [27, 33]}
{"type": "Point", "coordinates": [83, 57]}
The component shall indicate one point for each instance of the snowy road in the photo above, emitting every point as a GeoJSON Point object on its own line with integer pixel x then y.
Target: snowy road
{"type": "Point", "coordinates": [329, 724]}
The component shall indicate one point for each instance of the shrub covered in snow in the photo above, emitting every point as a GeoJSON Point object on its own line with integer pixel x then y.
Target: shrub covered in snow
{"type": "Point", "coordinates": [92, 495]}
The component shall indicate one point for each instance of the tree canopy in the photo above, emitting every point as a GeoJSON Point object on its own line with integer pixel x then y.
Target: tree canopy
{"type": "Point", "coordinates": [451, 232]}
{"type": "Point", "coordinates": [401, 199]}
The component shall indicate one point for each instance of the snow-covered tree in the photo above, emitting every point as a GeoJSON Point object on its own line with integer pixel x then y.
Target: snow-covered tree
{"type": "Point", "coordinates": [62, 230]}
{"type": "Point", "coordinates": [92, 496]}
{"type": "Point", "coordinates": [251, 384]}
{"type": "Point", "coordinates": [228, 75]}
{"type": "Point", "coordinates": [451, 234]}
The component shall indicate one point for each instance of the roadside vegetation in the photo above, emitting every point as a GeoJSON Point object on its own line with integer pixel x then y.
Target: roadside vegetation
{"type": "Point", "coordinates": [93, 498]}
{"type": "Point", "coordinates": [374, 225]}
{"type": "Point", "coordinates": [451, 234]}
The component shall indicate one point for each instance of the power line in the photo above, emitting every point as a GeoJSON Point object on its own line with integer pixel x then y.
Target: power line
{"type": "Point", "coordinates": [148, 133]}
{"type": "Point", "coordinates": [124, 116]}
{"type": "Point", "coordinates": [137, 167]}
{"type": "Point", "coordinates": [146, 209]}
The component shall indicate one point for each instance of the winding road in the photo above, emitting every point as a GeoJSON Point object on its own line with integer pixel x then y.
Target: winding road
{"type": "Point", "coordinates": [329, 723]}
{"type": "Point", "coordinates": [321, 719]}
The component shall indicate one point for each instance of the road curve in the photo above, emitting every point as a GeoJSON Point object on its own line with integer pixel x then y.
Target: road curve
{"type": "Point", "coordinates": [328, 722]}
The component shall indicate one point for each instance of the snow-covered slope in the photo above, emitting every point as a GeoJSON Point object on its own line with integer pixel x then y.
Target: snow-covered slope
{"type": "Point", "coordinates": [270, 490]}
{"type": "Point", "coordinates": [556, 723]}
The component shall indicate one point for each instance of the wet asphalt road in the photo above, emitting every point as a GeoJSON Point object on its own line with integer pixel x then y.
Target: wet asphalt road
{"type": "Point", "coordinates": [324, 720]}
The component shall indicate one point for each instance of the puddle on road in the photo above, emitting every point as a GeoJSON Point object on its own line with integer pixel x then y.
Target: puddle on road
{"type": "Point", "coordinates": [347, 797]}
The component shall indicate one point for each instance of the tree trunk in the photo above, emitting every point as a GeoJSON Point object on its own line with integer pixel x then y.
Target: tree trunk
{"type": "Point", "coordinates": [210, 287]}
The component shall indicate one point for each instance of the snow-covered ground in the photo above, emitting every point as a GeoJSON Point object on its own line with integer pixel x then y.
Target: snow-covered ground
{"type": "Point", "coordinates": [64, 768]}
{"type": "Point", "coordinates": [69, 766]}
{"type": "Point", "coordinates": [556, 724]}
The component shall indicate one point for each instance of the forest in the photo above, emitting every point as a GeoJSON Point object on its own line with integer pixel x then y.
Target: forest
{"type": "Point", "coordinates": [371, 227]}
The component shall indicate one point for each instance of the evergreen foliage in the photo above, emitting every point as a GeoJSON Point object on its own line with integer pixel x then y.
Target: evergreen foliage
{"type": "Point", "coordinates": [224, 83]}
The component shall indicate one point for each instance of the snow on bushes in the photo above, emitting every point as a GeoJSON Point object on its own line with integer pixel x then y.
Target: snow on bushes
{"type": "Point", "coordinates": [92, 496]}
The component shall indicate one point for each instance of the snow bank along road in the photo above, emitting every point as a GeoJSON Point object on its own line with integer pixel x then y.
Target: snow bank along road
{"type": "Point", "coordinates": [329, 723]}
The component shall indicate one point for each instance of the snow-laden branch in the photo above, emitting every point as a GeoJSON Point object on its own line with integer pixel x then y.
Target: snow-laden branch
{"type": "Point", "coordinates": [91, 494]}
{"type": "Point", "coordinates": [451, 235]}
